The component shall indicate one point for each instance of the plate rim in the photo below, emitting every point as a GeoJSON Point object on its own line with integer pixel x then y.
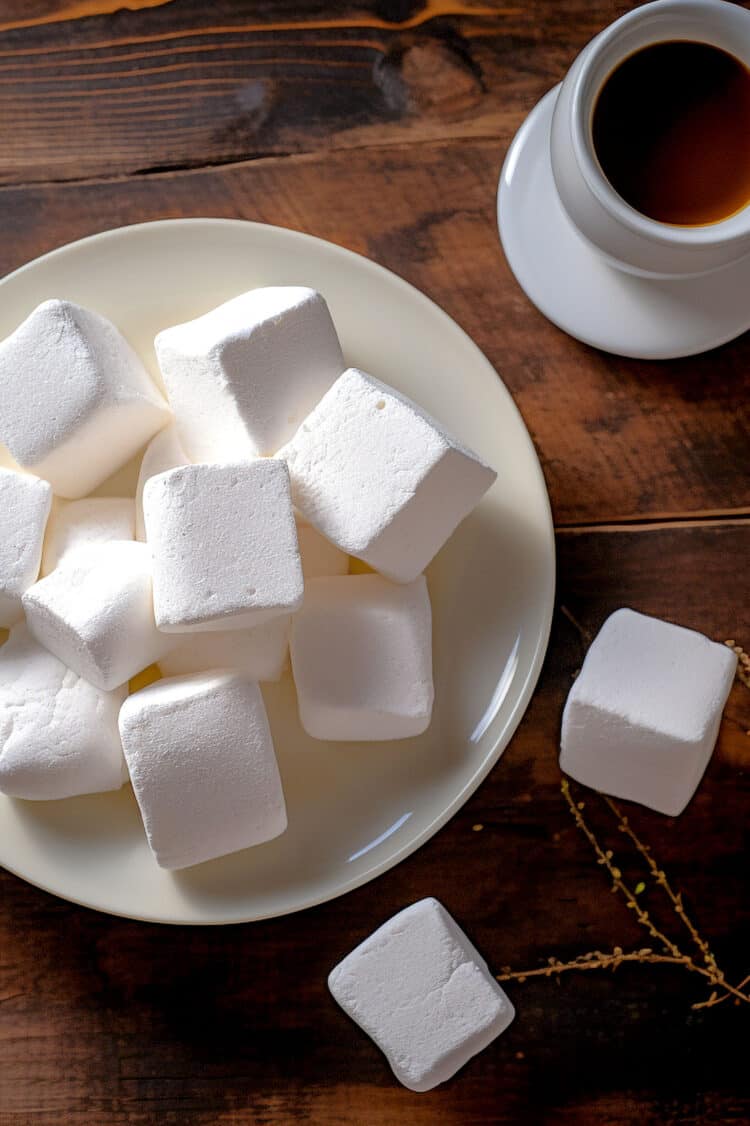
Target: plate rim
{"type": "Point", "coordinates": [542, 641]}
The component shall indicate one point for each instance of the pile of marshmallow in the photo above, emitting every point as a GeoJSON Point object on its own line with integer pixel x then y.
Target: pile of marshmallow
{"type": "Point", "coordinates": [270, 467]}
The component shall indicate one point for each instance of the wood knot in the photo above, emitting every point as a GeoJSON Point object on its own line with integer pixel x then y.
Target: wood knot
{"type": "Point", "coordinates": [429, 78]}
{"type": "Point", "coordinates": [439, 81]}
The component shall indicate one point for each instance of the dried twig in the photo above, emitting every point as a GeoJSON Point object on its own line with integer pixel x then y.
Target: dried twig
{"type": "Point", "coordinates": [582, 632]}
{"type": "Point", "coordinates": [743, 662]}
{"type": "Point", "coordinates": [594, 960]}
{"type": "Point", "coordinates": [660, 876]}
{"type": "Point", "coordinates": [606, 858]}
{"type": "Point", "coordinates": [674, 956]}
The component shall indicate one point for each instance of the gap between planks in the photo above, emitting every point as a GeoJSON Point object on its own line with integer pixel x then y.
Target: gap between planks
{"type": "Point", "coordinates": [187, 169]}
{"type": "Point", "coordinates": [659, 522]}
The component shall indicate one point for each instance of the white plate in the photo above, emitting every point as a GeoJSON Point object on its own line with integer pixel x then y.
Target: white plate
{"type": "Point", "coordinates": [578, 291]}
{"type": "Point", "coordinates": [354, 810]}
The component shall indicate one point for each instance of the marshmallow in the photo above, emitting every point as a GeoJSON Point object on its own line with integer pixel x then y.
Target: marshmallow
{"type": "Point", "coordinates": [58, 734]}
{"type": "Point", "coordinates": [163, 452]}
{"type": "Point", "coordinates": [380, 478]}
{"type": "Point", "coordinates": [95, 612]}
{"type": "Point", "coordinates": [319, 556]}
{"type": "Point", "coordinates": [423, 993]}
{"type": "Point", "coordinates": [362, 658]}
{"type": "Point", "coordinates": [259, 653]}
{"type": "Point", "coordinates": [75, 400]}
{"type": "Point", "coordinates": [642, 717]}
{"type": "Point", "coordinates": [224, 545]}
{"type": "Point", "coordinates": [203, 767]}
{"type": "Point", "coordinates": [80, 523]}
{"type": "Point", "coordinates": [25, 503]}
{"type": "Point", "coordinates": [241, 378]}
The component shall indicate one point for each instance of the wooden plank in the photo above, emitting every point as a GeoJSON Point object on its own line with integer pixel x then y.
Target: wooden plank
{"type": "Point", "coordinates": [619, 439]}
{"type": "Point", "coordinates": [104, 1020]}
{"type": "Point", "coordinates": [90, 89]}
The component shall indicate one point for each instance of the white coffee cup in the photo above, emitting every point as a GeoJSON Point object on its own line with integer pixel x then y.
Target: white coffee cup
{"type": "Point", "coordinates": [625, 237]}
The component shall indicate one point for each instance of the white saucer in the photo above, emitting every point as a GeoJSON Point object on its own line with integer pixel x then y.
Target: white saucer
{"type": "Point", "coordinates": [576, 289]}
{"type": "Point", "coordinates": [354, 809]}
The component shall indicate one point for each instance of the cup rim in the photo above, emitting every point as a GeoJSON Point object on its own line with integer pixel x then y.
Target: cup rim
{"type": "Point", "coordinates": [717, 233]}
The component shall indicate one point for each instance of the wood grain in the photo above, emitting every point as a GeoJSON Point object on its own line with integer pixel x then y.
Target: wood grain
{"type": "Point", "coordinates": [108, 1021]}
{"type": "Point", "coordinates": [618, 439]}
{"type": "Point", "coordinates": [186, 84]}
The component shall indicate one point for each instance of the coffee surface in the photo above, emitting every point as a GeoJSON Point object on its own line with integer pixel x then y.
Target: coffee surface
{"type": "Point", "coordinates": [671, 130]}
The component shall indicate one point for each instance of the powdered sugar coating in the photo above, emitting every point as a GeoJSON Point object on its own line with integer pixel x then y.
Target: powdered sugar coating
{"type": "Point", "coordinates": [380, 478]}
{"type": "Point", "coordinates": [642, 717]}
{"type": "Point", "coordinates": [75, 400]}
{"type": "Point", "coordinates": [58, 733]}
{"type": "Point", "coordinates": [423, 993]}
{"type": "Point", "coordinates": [203, 767]}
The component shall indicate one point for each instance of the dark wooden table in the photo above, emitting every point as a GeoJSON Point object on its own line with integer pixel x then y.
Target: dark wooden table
{"type": "Point", "coordinates": [382, 127]}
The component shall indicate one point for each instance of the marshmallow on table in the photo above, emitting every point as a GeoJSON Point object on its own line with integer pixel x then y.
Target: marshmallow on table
{"type": "Point", "coordinates": [203, 767]}
{"type": "Point", "coordinates": [80, 523]}
{"type": "Point", "coordinates": [75, 400]}
{"type": "Point", "coordinates": [241, 378]}
{"type": "Point", "coordinates": [95, 613]}
{"type": "Point", "coordinates": [25, 503]}
{"type": "Point", "coordinates": [163, 452]}
{"type": "Point", "coordinates": [380, 478]}
{"type": "Point", "coordinates": [259, 653]}
{"type": "Point", "coordinates": [224, 544]}
{"type": "Point", "coordinates": [58, 733]}
{"type": "Point", "coordinates": [642, 717]}
{"type": "Point", "coordinates": [423, 993]}
{"type": "Point", "coordinates": [319, 556]}
{"type": "Point", "coordinates": [362, 658]}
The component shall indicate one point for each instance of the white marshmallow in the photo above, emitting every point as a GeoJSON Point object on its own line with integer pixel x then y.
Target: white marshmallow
{"type": "Point", "coordinates": [58, 733]}
{"type": "Point", "coordinates": [75, 400]}
{"type": "Point", "coordinates": [81, 523]}
{"type": "Point", "coordinates": [163, 452]}
{"type": "Point", "coordinates": [95, 612]}
{"type": "Point", "coordinates": [423, 993]}
{"type": "Point", "coordinates": [224, 545]}
{"type": "Point", "coordinates": [319, 556]}
{"type": "Point", "coordinates": [362, 658]}
{"type": "Point", "coordinates": [203, 767]}
{"type": "Point", "coordinates": [380, 478]}
{"type": "Point", "coordinates": [241, 378]}
{"type": "Point", "coordinates": [259, 653]}
{"type": "Point", "coordinates": [25, 503]}
{"type": "Point", "coordinates": [642, 717]}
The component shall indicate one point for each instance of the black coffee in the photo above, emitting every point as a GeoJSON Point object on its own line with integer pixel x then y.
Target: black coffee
{"type": "Point", "coordinates": [671, 129]}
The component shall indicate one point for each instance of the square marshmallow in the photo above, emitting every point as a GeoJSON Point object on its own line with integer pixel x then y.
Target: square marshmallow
{"type": "Point", "coordinates": [423, 993]}
{"type": "Point", "coordinates": [81, 523]}
{"type": "Point", "coordinates": [203, 767]}
{"type": "Point", "coordinates": [75, 400]}
{"type": "Point", "coordinates": [241, 378]}
{"type": "Point", "coordinates": [380, 478]}
{"type": "Point", "coordinates": [362, 658]}
{"type": "Point", "coordinates": [642, 717]}
{"type": "Point", "coordinates": [260, 653]}
{"type": "Point", "coordinates": [162, 453]}
{"type": "Point", "coordinates": [224, 545]}
{"type": "Point", "coordinates": [25, 503]}
{"type": "Point", "coordinates": [58, 733]}
{"type": "Point", "coordinates": [95, 613]}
